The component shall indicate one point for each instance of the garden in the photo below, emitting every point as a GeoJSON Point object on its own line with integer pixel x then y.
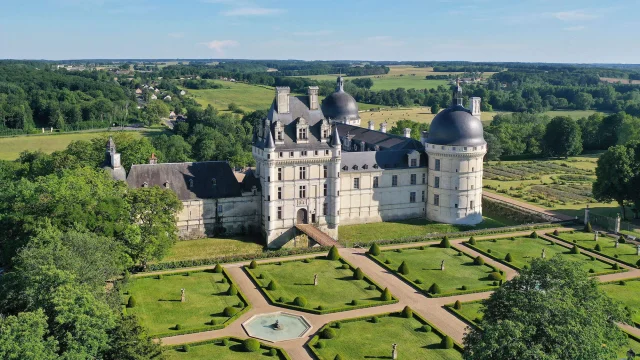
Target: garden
{"type": "Point", "coordinates": [517, 252]}
{"type": "Point", "coordinates": [439, 270]}
{"type": "Point", "coordinates": [626, 253]}
{"type": "Point", "coordinates": [210, 301]}
{"type": "Point", "coordinates": [373, 338]}
{"type": "Point", "coordinates": [225, 349]}
{"type": "Point", "coordinates": [318, 285]}
{"type": "Point", "coordinates": [627, 292]}
{"type": "Point", "coordinates": [470, 312]}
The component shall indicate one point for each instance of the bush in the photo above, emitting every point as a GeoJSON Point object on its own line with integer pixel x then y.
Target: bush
{"type": "Point", "coordinates": [374, 249]}
{"type": "Point", "coordinates": [280, 299]}
{"type": "Point", "coordinates": [272, 285]}
{"type": "Point", "coordinates": [386, 295]}
{"type": "Point", "coordinates": [472, 241]}
{"type": "Point", "coordinates": [375, 320]}
{"type": "Point", "coordinates": [447, 342]}
{"type": "Point", "coordinates": [253, 264]}
{"type": "Point", "coordinates": [337, 325]}
{"type": "Point", "coordinates": [588, 228]}
{"type": "Point", "coordinates": [591, 271]}
{"type": "Point", "coordinates": [616, 266]}
{"type": "Point", "coordinates": [232, 290]}
{"type": "Point", "coordinates": [273, 352]}
{"type": "Point", "coordinates": [212, 322]}
{"type": "Point", "coordinates": [230, 311]}
{"type": "Point", "coordinates": [355, 302]}
{"type": "Point", "coordinates": [159, 277]}
{"type": "Point", "coordinates": [457, 305]}
{"type": "Point", "coordinates": [534, 235]}
{"type": "Point", "coordinates": [508, 258]}
{"type": "Point", "coordinates": [434, 289]}
{"type": "Point", "coordinates": [388, 262]}
{"type": "Point", "coordinates": [404, 268]}
{"type": "Point", "coordinates": [556, 232]}
{"type": "Point", "coordinates": [320, 345]}
{"type": "Point", "coordinates": [478, 260]}
{"type": "Point", "coordinates": [371, 287]}
{"type": "Point", "coordinates": [306, 261]}
{"type": "Point", "coordinates": [300, 301]}
{"type": "Point", "coordinates": [421, 247]}
{"type": "Point", "coordinates": [399, 251]}
{"type": "Point", "coordinates": [185, 348]}
{"type": "Point", "coordinates": [445, 243]}
{"type": "Point", "coordinates": [131, 302]}
{"type": "Point", "coordinates": [177, 327]}
{"type": "Point", "coordinates": [495, 276]}
{"type": "Point", "coordinates": [407, 312]}
{"type": "Point", "coordinates": [328, 333]}
{"type": "Point", "coordinates": [320, 307]}
{"type": "Point", "coordinates": [464, 287]}
{"type": "Point", "coordinates": [358, 274]}
{"type": "Point", "coordinates": [338, 357]}
{"type": "Point", "coordinates": [426, 328]}
{"type": "Point", "coordinates": [575, 250]}
{"type": "Point", "coordinates": [224, 280]}
{"type": "Point", "coordinates": [251, 345]}
{"type": "Point", "coordinates": [621, 282]}
{"type": "Point", "coordinates": [217, 269]}
{"type": "Point", "coordinates": [598, 247]}
{"type": "Point", "coordinates": [333, 253]}
{"type": "Point", "coordinates": [417, 281]}
{"type": "Point", "coordinates": [240, 305]}
{"type": "Point", "coordinates": [622, 239]}
{"type": "Point", "coordinates": [345, 266]}
{"type": "Point", "coordinates": [225, 342]}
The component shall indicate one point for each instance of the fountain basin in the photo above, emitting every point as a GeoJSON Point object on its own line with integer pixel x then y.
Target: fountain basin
{"type": "Point", "coordinates": [263, 326]}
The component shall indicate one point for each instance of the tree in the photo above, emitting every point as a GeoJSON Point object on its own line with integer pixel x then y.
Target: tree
{"type": "Point", "coordinates": [562, 137]}
{"type": "Point", "coordinates": [494, 147]}
{"type": "Point", "coordinates": [130, 341]}
{"type": "Point", "coordinates": [171, 149]}
{"type": "Point", "coordinates": [25, 337]}
{"type": "Point", "coordinates": [583, 101]}
{"type": "Point", "coordinates": [551, 311]}
{"type": "Point", "coordinates": [156, 110]}
{"type": "Point", "coordinates": [610, 129]}
{"type": "Point", "coordinates": [629, 130]}
{"type": "Point", "coordinates": [416, 128]}
{"type": "Point", "coordinates": [615, 173]}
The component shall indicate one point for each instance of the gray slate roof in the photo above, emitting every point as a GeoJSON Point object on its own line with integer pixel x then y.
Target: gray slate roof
{"type": "Point", "coordinates": [371, 138]}
{"type": "Point", "coordinates": [456, 126]}
{"type": "Point", "coordinates": [376, 160]}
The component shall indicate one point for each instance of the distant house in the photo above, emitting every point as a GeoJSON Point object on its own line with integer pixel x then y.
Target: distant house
{"type": "Point", "coordinates": [157, 90]}
{"type": "Point", "coordinates": [138, 91]}
{"type": "Point", "coordinates": [167, 98]}
{"type": "Point", "coordinates": [172, 115]}
{"type": "Point", "coordinates": [151, 88]}
{"type": "Point", "coordinates": [154, 97]}
{"type": "Point", "coordinates": [182, 92]}
{"type": "Point", "coordinates": [181, 118]}
{"type": "Point", "coordinates": [232, 80]}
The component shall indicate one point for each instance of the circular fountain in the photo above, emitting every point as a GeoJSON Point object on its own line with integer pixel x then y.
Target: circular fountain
{"type": "Point", "coordinates": [278, 326]}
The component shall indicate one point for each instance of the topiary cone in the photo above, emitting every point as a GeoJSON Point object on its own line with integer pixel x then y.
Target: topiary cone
{"type": "Point", "coordinates": [374, 250]}
{"type": "Point", "coordinates": [333, 253]}
{"type": "Point", "coordinates": [404, 268]}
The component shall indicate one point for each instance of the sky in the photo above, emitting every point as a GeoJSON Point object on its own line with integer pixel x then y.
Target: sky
{"type": "Point", "coordinates": [575, 31]}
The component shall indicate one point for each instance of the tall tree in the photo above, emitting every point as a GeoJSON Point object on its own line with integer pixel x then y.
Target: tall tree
{"type": "Point", "coordinates": [615, 172]}
{"type": "Point", "coordinates": [562, 137]}
{"type": "Point", "coordinates": [25, 337]}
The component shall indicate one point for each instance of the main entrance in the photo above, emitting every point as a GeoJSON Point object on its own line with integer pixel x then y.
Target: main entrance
{"type": "Point", "coordinates": [301, 217]}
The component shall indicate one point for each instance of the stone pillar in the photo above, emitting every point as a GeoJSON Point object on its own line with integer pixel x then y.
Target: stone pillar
{"type": "Point", "coordinates": [586, 215]}
{"type": "Point", "coordinates": [371, 125]}
{"type": "Point", "coordinates": [407, 132]}
{"type": "Point", "coordinates": [383, 127]}
{"type": "Point", "coordinates": [617, 225]}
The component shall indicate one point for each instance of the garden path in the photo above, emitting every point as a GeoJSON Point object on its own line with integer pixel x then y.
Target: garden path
{"type": "Point", "coordinates": [525, 205]}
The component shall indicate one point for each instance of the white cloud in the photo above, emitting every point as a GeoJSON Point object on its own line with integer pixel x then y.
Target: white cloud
{"type": "Point", "coordinates": [220, 45]}
{"type": "Point", "coordinates": [176, 35]}
{"type": "Point", "coordinates": [575, 28]}
{"type": "Point", "coordinates": [251, 11]}
{"type": "Point", "coordinates": [574, 15]}
{"type": "Point", "coordinates": [313, 33]}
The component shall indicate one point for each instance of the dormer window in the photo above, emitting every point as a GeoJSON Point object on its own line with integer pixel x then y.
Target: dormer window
{"type": "Point", "coordinates": [375, 166]}
{"type": "Point", "coordinates": [190, 183]}
{"type": "Point", "coordinates": [302, 130]}
{"type": "Point", "coordinates": [345, 168]}
{"type": "Point", "coordinates": [325, 130]}
{"type": "Point", "coordinates": [365, 166]}
{"type": "Point", "coordinates": [302, 134]}
{"type": "Point", "coordinates": [166, 184]}
{"type": "Point", "coordinates": [355, 167]}
{"type": "Point", "coordinates": [279, 131]}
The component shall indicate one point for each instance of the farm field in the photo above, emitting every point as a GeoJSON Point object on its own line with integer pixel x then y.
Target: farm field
{"type": "Point", "coordinates": [337, 287]}
{"type": "Point", "coordinates": [624, 252]}
{"type": "Point", "coordinates": [234, 351]}
{"type": "Point", "coordinates": [424, 269]}
{"type": "Point", "coordinates": [627, 294]}
{"type": "Point", "coordinates": [362, 339]}
{"type": "Point", "coordinates": [159, 308]}
{"type": "Point", "coordinates": [367, 233]}
{"type": "Point", "coordinates": [211, 248]}
{"type": "Point", "coordinates": [523, 250]}
{"type": "Point", "coordinates": [11, 147]}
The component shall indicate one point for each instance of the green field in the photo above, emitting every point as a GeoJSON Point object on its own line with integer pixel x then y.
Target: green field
{"type": "Point", "coordinates": [234, 351]}
{"type": "Point", "coordinates": [212, 248]}
{"type": "Point", "coordinates": [367, 233]}
{"type": "Point", "coordinates": [336, 286]}
{"type": "Point", "coordinates": [160, 309]}
{"type": "Point", "coordinates": [247, 97]}
{"type": "Point", "coordinates": [364, 339]}
{"type": "Point", "coordinates": [625, 252]}
{"type": "Point", "coordinates": [11, 147]}
{"type": "Point", "coordinates": [628, 294]}
{"type": "Point", "coordinates": [424, 269]}
{"type": "Point", "coordinates": [523, 250]}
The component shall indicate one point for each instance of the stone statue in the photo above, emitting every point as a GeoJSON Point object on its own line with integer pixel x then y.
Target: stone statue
{"type": "Point", "coordinates": [544, 253]}
{"type": "Point", "coordinates": [638, 249]}
{"type": "Point", "coordinates": [394, 352]}
{"type": "Point", "coordinates": [315, 280]}
{"type": "Point", "coordinates": [631, 354]}
{"type": "Point", "coordinates": [442, 265]}
{"type": "Point", "coordinates": [182, 296]}
{"type": "Point", "coordinates": [617, 243]}
{"type": "Point", "coordinates": [595, 236]}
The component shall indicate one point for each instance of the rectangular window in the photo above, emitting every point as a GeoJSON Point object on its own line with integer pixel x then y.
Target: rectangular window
{"type": "Point", "coordinates": [413, 179]}
{"type": "Point", "coordinates": [412, 197]}
{"type": "Point", "coordinates": [303, 172]}
{"type": "Point", "coordinates": [279, 174]}
{"type": "Point", "coordinates": [290, 153]}
{"type": "Point", "coordinates": [302, 192]}
{"type": "Point", "coordinates": [436, 200]}
{"type": "Point", "coordinates": [279, 212]}
{"type": "Point", "coordinates": [394, 180]}
{"type": "Point", "coordinates": [279, 135]}
{"type": "Point", "coordinates": [422, 195]}
{"type": "Point", "coordinates": [325, 171]}
{"type": "Point", "coordinates": [436, 182]}
{"type": "Point", "coordinates": [315, 153]}
{"type": "Point", "coordinates": [424, 178]}
{"type": "Point", "coordinates": [219, 209]}
{"type": "Point", "coordinates": [325, 189]}
{"type": "Point", "coordinates": [279, 193]}
{"type": "Point", "coordinates": [302, 134]}
{"type": "Point", "coordinates": [471, 204]}
{"type": "Point", "coordinates": [414, 162]}
{"type": "Point", "coordinates": [456, 206]}
{"type": "Point", "coordinates": [326, 152]}
{"type": "Point", "coordinates": [356, 183]}
{"type": "Point", "coordinates": [280, 154]}
{"type": "Point", "coordinates": [303, 153]}
{"type": "Point", "coordinates": [375, 181]}
{"type": "Point", "coordinates": [437, 165]}
{"type": "Point", "coordinates": [325, 207]}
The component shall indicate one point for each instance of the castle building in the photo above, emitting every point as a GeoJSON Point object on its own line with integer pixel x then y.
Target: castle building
{"type": "Point", "coordinates": [316, 165]}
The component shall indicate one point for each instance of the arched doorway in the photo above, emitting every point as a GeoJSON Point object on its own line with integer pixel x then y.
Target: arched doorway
{"type": "Point", "coordinates": [301, 217]}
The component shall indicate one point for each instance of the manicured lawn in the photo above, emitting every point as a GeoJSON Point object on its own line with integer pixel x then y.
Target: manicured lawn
{"type": "Point", "coordinates": [474, 311]}
{"type": "Point", "coordinates": [624, 252]}
{"type": "Point", "coordinates": [523, 250]}
{"type": "Point", "coordinates": [159, 307]}
{"type": "Point", "coordinates": [211, 248]}
{"type": "Point", "coordinates": [366, 233]}
{"type": "Point", "coordinates": [424, 269]}
{"type": "Point", "coordinates": [628, 294]}
{"type": "Point", "coordinates": [364, 339]}
{"type": "Point", "coordinates": [336, 286]}
{"type": "Point", "coordinates": [217, 351]}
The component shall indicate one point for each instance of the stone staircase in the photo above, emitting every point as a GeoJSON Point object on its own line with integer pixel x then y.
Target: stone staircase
{"type": "Point", "coordinates": [317, 235]}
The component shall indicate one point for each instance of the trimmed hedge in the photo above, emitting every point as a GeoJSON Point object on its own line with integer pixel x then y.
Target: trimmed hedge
{"type": "Point", "coordinates": [358, 274]}
{"type": "Point", "coordinates": [333, 253]}
{"type": "Point", "coordinates": [131, 302]}
{"type": "Point", "coordinates": [447, 342]}
{"type": "Point", "coordinates": [452, 309]}
{"type": "Point", "coordinates": [407, 312]}
{"type": "Point", "coordinates": [445, 243]}
{"type": "Point", "coordinates": [404, 268]}
{"type": "Point", "coordinates": [300, 301]}
{"type": "Point", "coordinates": [374, 250]}
{"type": "Point", "coordinates": [386, 295]}
{"type": "Point", "coordinates": [253, 264]}
{"type": "Point", "coordinates": [273, 350]}
{"type": "Point", "coordinates": [251, 345]}
{"type": "Point", "coordinates": [636, 265]}
{"type": "Point", "coordinates": [328, 333]}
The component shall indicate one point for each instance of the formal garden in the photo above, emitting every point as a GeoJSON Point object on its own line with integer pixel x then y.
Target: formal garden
{"type": "Point", "coordinates": [517, 252]}
{"type": "Point", "coordinates": [318, 285]}
{"type": "Point", "coordinates": [374, 338]}
{"type": "Point", "coordinates": [184, 302]}
{"type": "Point", "coordinates": [225, 349]}
{"type": "Point", "coordinates": [623, 252]}
{"type": "Point", "coordinates": [439, 270]}
{"type": "Point", "coordinates": [628, 293]}
{"type": "Point", "coordinates": [470, 312]}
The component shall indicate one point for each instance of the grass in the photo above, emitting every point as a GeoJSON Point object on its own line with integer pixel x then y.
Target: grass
{"type": "Point", "coordinates": [424, 269]}
{"type": "Point", "coordinates": [216, 350]}
{"type": "Point", "coordinates": [627, 294]}
{"type": "Point", "coordinates": [211, 248]}
{"type": "Point", "coordinates": [364, 339]}
{"type": "Point", "coordinates": [633, 344]}
{"type": "Point", "coordinates": [247, 97]}
{"type": "Point", "coordinates": [472, 311]}
{"type": "Point", "coordinates": [523, 250]}
{"type": "Point", "coordinates": [336, 286]}
{"type": "Point", "coordinates": [624, 252]}
{"type": "Point", "coordinates": [159, 307]}
{"type": "Point", "coordinates": [367, 233]}
{"type": "Point", "coordinates": [11, 147]}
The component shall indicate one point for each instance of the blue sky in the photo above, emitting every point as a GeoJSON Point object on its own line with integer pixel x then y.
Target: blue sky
{"type": "Point", "coordinates": [472, 30]}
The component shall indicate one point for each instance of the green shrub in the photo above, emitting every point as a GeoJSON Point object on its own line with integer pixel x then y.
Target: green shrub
{"type": "Point", "coordinates": [185, 348]}
{"type": "Point", "coordinates": [374, 249]}
{"type": "Point", "coordinates": [272, 285]}
{"type": "Point", "coordinates": [495, 276]}
{"type": "Point", "coordinates": [177, 327]}
{"type": "Point", "coordinates": [337, 325]}
{"type": "Point", "coordinates": [447, 342]}
{"type": "Point", "coordinates": [212, 322]}
{"type": "Point", "coordinates": [306, 261]}
{"type": "Point", "coordinates": [591, 271]}
{"type": "Point", "coordinates": [338, 357]}
{"type": "Point", "coordinates": [457, 305]}
{"type": "Point", "coordinates": [224, 280]}
{"type": "Point", "coordinates": [575, 250]}
{"type": "Point", "coordinates": [328, 333]}
{"type": "Point", "coordinates": [300, 301]}
{"type": "Point", "coordinates": [598, 247]}
{"type": "Point", "coordinates": [478, 260]}
{"type": "Point", "coordinates": [355, 302]}
{"type": "Point", "coordinates": [387, 261]}
{"type": "Point", "coordinates": [616, 266]}
{"type": "Point", "coordinates": [217, 269]}
{"type": "Point", "coordinates": [240, 305]}
{"type": "Point", "coordinates": [421, 247]}
{"type": "Point", "coordinates": [232, 290]}
{"type": "Point", "coordinates": [251, 345]}
{"type": "Point", "coordinates": [622, 239]}
{"type": "Point", "coordinates": [273, 352]}
{"type": "Point", "coordinates": [534, 235]}
{"type": "Point", "coordinates": [622, 282]}
{"type": "Point", "coordinates": [588, 228]}
{"type": "Point", "coordinates": [345, 266]}
{"type": "Point", "coordinates": [159, 277]}
{"type": "Point", "coordinates": [556, 232]}
{"type": "Point", "coordinates": [333, 253]}
{"type": "Point", "coordinates": [417, 281]}
{"type": "Point", "coordinates": [131, 302]}
{"type": "Point", "coordinates": [320, 345]}
{"type": "Point", "coordinates": [407, 312]}
{"type": "Point", "coordinates": [371, 287]}
{"type": "Point", "coordinates": [230, 311]}
{"type": "Point", "coordinates": [375, 320]}
{"type": "Point", "coordinates": [280, 299]}
{"type": "Point", "coordinates": [253, 264]}
{"type": "Point", "coordinates": [495, 283]}
{"type": "Point", "coordinates": [489, 251]}
{"type": "Point", "coordinates": [386, 295]}
{"type": "Point", "coordinates": [508, 258]}
{"type": "Point", "coordinates": [464, 287]}
{"type": "Point", "coordinates": [445, 243]}
{"type": "Point", "coordinates": [320, 307]}
{"type": "Point", "coordinates": [225, 342]}
{"type": "Point", "coordinates": [399, 251]}
{"type": "Point", "coordinates": [472, 241]}
{"type": "Point", "coordinates": [358, 274]}
{"type": "Point", "coordinates": [434, 289]}
{"type": "Point", "coordinates": [404, 268]}
{"type": "Point", "coordinates": [426, 328]}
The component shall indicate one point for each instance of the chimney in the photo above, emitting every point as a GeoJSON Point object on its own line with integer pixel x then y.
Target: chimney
{"type": "Point", "coordinates": [407, 132]}
{"type": "Point", "coordinates": [282, 99]}
{"type": "Point", "coordinates": [313, 97]}
{"type": "Point", "coordinates": [424, 135]}
{"type": "Point", "coordinates": [153, 160]}
{"type": "Point", "coordinates": [383, 127]}
{"type": "Point", "coordinates": [474, 106]}
{"type": "Point", "coordinates": [371, 125]}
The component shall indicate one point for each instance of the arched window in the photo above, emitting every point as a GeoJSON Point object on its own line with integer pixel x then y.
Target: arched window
{"type": "Point", "coordinates": [166, 184]}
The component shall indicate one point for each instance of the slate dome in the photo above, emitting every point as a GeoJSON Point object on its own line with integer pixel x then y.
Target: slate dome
{"type": "Point", "coordinates": [456, 126]}
{"type": "Point", "coordinates": [340, 105]}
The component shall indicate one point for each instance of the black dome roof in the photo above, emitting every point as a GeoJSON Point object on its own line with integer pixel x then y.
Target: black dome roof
{"type": "Point", "coordinates": [456, 126]}
{"type": "Point", "coordinates": [340, 105]}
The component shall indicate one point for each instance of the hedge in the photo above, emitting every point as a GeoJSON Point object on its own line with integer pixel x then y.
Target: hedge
{"type": "Point", "coordinates": [594, 251]}
{"type": "Point", "coordinates": [452, 309]}
{"type": "Point", "coordinates": [279, 352]}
